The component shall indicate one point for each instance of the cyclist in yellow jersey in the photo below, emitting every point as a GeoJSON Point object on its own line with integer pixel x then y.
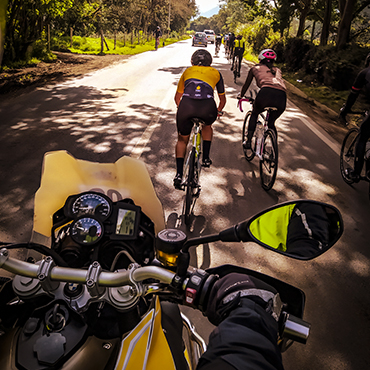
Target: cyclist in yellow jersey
{"type": "Point", "coordinates": [239, 48]}
{"type": "Point", "coordinates": [195, 99]}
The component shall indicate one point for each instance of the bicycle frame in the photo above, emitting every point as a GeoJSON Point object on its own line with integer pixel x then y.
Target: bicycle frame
{"type": "Point", "coordinates": [196, 140]}
{"type": "Point", "coordinates": [192, 170]}
{"type": "Point", "coordinates": [265, 119]}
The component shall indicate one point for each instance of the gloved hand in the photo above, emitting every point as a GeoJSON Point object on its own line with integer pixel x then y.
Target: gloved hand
{"type": "Point", "coordinates": [227, 292]}
{"type": "Point", "coordinates": [239, 96]}
{"type": "Point", "coordinates": [343, 115]}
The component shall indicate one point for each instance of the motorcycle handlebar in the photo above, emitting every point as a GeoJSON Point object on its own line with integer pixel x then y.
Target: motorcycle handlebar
{"type": "Point", "coordinates": [75, 275]}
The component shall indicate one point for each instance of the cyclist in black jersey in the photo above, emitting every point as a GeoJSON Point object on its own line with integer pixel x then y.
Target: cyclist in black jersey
{"type": "Point", "coordinates": [230, 43]}
{"type": "Point", "coordinates": [195, 99]}
{"type": "Point", "coordinates": [362, 81]}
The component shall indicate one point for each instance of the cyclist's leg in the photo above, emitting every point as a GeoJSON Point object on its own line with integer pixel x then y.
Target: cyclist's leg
{"type": "Point", "coordinates": [184, 126]}
{"type": "Point", "coordinates": [258, 107]}
{"type": "Point", "coordinates": [361, 146]}
{"type": "Point", "coordinates": [240, 62]}
{"type": "Point", "coordinates": [274, 98]}
{"type": "Point", "coordinates": [180, 151]}
{"type": "Point", "coordinates": [207, 112]}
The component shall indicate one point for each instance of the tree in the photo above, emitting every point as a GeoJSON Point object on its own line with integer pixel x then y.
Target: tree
{"type": "Point", "coordinates": [3, 7]}
{"type": "Point", "coordinates": [25, 23]}
{"type": "Point", "coordinates": [324, 37]}
{"type": "Point", "coordinates": [349, 10]}
{"type": "Point", "coordinates": [303, 7]}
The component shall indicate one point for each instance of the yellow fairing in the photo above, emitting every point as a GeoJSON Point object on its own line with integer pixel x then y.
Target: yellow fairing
{"type": "Point", "coordinates": [63, 175]}
{"type": "Point", "coordinates": [146, 346]}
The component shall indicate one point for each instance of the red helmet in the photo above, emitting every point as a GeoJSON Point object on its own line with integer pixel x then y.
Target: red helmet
{"type": "Point", "coordinates": [268, 54]}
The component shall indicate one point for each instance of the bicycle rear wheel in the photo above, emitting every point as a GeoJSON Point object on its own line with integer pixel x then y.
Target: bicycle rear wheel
{"type": "Point", "coordinates": [269, 161]}
{"type": "Point", "coordinates": [248, 153]}
{"type": "Point", "coordinates": [191, 188]}
{"type": "Point", "coordinates": [347, 154]}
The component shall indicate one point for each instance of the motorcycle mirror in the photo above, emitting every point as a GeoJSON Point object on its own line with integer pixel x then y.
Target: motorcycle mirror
{"type": "Point", "coordinates": [302, 229]}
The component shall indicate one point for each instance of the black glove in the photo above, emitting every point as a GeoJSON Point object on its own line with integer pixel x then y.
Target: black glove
{"type": "Point", "coordinates": [343, 115]}
{"type": "Point", "coordinates": [226, 293]}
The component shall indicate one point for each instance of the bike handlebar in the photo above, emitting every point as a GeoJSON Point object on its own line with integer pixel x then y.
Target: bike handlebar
{"type": "Point", "coordinates": [240, 101]}
{"type": "Point", "coordinates": [81, 276]}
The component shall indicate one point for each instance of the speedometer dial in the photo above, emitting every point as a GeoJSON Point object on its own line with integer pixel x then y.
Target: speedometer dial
{"type": "Point", "coordinates": [91, 204]}
{"type": "Point", "coordinates": [86, 231]}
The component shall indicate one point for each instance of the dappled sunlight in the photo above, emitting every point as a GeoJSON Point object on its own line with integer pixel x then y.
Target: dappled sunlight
{"type": "Point", "coordinates": [309, 181]}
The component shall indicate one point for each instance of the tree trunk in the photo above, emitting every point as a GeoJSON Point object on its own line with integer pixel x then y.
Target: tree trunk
{"type": "Point", "coordinates": [326, 24]}
{"type": "Point", "coordinates": [302, 18]}
{"type": "Point", "coordinates": [345, 24]}
{"type": "Point", "coordinates": [101, 42]}
{"type": "Point", "coordinates": [313, 31]}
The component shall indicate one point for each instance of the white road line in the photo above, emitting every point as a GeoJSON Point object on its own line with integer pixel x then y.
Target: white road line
{"type": "Point", "coordinates": [316, 129]}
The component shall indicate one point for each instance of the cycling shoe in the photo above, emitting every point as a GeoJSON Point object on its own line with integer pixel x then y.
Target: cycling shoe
{"type": "Point", "coordinates": [206, 162]}
{"type": "Point", "coordinates": [177, 182]}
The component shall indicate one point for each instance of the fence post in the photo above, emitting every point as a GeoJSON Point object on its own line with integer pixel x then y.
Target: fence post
{"type": "Point", "coordinates": [48, 37]}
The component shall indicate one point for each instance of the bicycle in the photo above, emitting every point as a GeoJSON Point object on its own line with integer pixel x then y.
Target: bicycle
{"type": "Point", "coordinates": [217, 49]}
{"type": "Point", "coordinates": [236, 67]}
{"type": "Point", "coordinates": [347, 153]}
{"type": "Point", "coordinates": [263, 145]}
{"type": "Point", "coordinates": [192, 169]}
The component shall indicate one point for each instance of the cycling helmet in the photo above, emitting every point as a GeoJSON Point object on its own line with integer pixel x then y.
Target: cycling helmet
{"type": "Point", "coordinates": [267, 54]}
{"type": "Point", "coordinates": [201, 58]}
{"type": "Point", "coordinates": [367, 60]}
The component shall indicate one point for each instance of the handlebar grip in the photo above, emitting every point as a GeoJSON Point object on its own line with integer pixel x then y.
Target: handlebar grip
{"type": "Point", "coordinates": [240, 101]}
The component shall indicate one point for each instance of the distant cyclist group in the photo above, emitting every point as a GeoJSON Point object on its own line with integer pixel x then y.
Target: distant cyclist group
{"type": "Point", "coordinates": [195, 99]}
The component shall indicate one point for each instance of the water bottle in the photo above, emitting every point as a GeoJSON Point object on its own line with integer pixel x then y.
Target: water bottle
{"type": "Point", "coordinates": [259, 135]}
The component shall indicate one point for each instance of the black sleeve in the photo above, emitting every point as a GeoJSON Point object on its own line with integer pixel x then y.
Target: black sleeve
{"type": "Point", "coordinates": [360, 81]}
{"type": "Point", "coordinates": [247, 82]}
{"type": "Point", "coordinates": [246, 339]}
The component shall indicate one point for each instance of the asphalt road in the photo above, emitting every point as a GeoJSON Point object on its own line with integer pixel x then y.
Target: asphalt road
{"type": "Point", "coordinates": [128, 109]}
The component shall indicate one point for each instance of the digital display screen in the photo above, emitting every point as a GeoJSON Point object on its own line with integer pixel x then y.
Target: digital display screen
{"type": "Point", "coordinates": [125, 222]}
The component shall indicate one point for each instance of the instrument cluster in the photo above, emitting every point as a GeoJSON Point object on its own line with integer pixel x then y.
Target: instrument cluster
{"type": "Point", "coordinates": [94, 215]}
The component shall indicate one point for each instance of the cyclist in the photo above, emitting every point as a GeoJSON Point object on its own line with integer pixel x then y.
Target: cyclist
{"type": "Point", "coordinates": [158, 34]}
{"type": "Point", "coordinates": [195, 99]}
{"type": "Point", "coordinates": [230, 44]}
{"type": "Point", "coordinates": [362, 81]}
{"type": "Point", "coordinates": [218, 42]}
{"type": "Point", "coordinates": [272, 93]}
{"type": "Point", "coordinates": [239, 47]}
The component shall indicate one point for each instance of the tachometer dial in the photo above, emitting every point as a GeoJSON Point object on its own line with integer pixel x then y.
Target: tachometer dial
{"type": "Point", "coordinates": [91, 204]}
{"type": "Point", "coordinates": [86, 231]}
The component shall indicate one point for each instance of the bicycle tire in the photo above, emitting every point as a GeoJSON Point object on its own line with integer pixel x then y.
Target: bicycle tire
{"type": "Point", "coordinates": [188, 202]}
{"type": "Point", "coordinates": [269, 161]}
{"type": "Point", "coordinates": [347, 154]}
{"type": "Point", "coordinates": [248, 153]}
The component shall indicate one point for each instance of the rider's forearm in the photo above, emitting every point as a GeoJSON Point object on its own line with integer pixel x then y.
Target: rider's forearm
{"type": "Point", "coordinates": [222, 102]}
{"type": "Point", "coordinates": [178, 98]}
{"type": "Point", "coordinates": [247, 83]}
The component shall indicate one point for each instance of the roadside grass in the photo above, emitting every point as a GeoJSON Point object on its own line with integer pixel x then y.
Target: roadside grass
{"type": "Point", "coordinates": [89, 45]}
{"type": "Point", "coordinates": [323, 94]}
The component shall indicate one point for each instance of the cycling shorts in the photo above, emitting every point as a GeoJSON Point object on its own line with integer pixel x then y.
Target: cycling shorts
{"type": "Point", "coordinates": [204, 109]}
